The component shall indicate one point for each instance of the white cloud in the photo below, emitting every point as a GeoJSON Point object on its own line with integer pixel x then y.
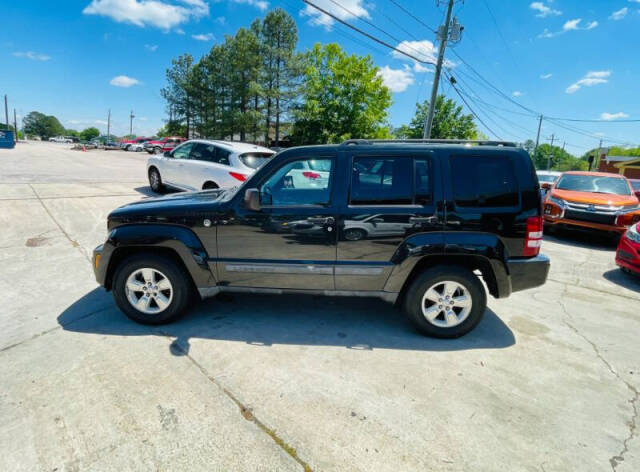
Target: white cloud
{"type": "Point", "coordinates": [34, 56]}
{"type": "Point", "coordinates": [259, 4]}
{"type": "Point", "coordinates": [124, 81]}
{"type": "Point", "coordinates": [591, 25]}
{"type": "Point", "coordinates": [590, 79]}
{"type": "Point", "coordinates": [220, 20]}
{"type": "Point", "coordinates": [517, 93]}
{"type": "Point", "coordinates": [613, 116]}
{"type": "Point", "coordinates": [203, 36]}
{"type": "Point", "coordinates": [619, 14]}
{"type": "Point", "coordinates": [571, 25]}
{"type": "Point", "coordinates": [101, 122]}
{"type": "Point", "coordinates": [419, 68]}
{"type": "Point", "coordinates": [397, 80]}
{"type": "Point", "coordinates": [356, 7]}
{"type": "Point", "coordinates": [544, 10]}
{"type": "Point", "coordinates": [545, 76]}
{"type": "Point", "coordinates": [424, 50]}
{"type": "Point", "coordinates": [151, 47]}
{"type": "Point", "coordinates": [547, 34]}
{"type": "Point", "coordinates": [157, 13]}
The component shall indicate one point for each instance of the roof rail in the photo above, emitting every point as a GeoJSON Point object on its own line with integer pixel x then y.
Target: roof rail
{"type": "Point", "coordinates": [470, 142]}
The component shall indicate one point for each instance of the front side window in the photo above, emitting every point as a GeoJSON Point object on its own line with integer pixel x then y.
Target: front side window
{"type": "Point", "coordinates": [297, 183]}
{"type": "Point", "coordinates": [484, 181]}
{"type": "Point", "coordinates": [182, 152]}
{"type": "Point", "coordinates": [381, 181]}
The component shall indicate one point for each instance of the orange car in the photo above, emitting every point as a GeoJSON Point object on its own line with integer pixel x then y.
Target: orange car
{"type": "Point", "coordinates": [595, 200]}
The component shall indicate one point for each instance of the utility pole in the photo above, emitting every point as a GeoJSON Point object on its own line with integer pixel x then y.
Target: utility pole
{"type": "Point", "coordinates": [538, 136]}
{"type": "Point", "coordinates": [599, 152]}
{"type": "Point", "coordinates": [6, 111]}
{"type": "Point", "coordinates": [131, 117]}
{"type": "Point", "coordinates": [553, 136]}
{"type": "Point", "coordinates": [15, 126]}
{"type": "Point", "coordinates": [108, 125]}
{"type": "Point", "coordinates": [443, 36]}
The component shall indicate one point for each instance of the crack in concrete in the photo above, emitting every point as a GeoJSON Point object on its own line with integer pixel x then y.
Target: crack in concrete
{"type": "Point", "coordinates": [73, 242]}
{"type": "Point", "coordinates": [246, 412]}
{"type": "Point", "coordinates": [615, 460]}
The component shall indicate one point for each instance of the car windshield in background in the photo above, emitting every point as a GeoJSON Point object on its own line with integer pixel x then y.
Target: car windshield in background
{"type": "Point", "coordinates": [255, 159]}
{"type": "Point", "coordinates": [594, 183]}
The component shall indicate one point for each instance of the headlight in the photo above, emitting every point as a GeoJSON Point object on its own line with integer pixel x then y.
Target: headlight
{"type": "Point", "coordinates": [633, 234]}
{"type": "Point", "coordinates": [556, 201]}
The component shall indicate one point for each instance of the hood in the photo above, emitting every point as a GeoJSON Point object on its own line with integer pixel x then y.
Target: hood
{"type": "Point", "coordinates": [180, 208]}
{"type": "Point", "coordinates": [605, 199]}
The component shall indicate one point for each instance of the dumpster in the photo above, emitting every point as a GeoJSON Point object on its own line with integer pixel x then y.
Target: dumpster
{"type": "Point", "coordinates": [6, 139]}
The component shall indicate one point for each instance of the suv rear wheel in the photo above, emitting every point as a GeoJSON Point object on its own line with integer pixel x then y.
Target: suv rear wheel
{"type": "Point", "coordinates": [446, 302]}
{"type": "Point", "coordinates": [151, 289]}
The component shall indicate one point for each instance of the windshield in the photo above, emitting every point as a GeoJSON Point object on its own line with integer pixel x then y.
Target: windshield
{"type": "Point", "coordinates": [547, 178]}
{"type": "Point", "coordinates": [594, 183]}
{"type": "Point", "coordinates": [255, 159]}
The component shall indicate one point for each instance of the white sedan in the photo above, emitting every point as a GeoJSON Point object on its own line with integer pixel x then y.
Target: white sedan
{"type": "Point", "coordinates": [202, 164]}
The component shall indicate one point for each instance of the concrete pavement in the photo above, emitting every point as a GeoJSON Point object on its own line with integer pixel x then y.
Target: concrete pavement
{"type": "Point", "coordinates": [547, 382]}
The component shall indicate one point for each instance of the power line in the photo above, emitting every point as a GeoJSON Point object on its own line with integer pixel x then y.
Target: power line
{"type": "Point", "coordinates": [413, 16]}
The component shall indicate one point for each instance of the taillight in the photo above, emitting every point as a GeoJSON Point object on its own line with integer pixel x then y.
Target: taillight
{"type": "Point", "coordinates": [627, 219]}
{"type": "Point", "coordinates": [311, 175]}
{"type": "Point", "coordinates": [533, 240]}
{"type": "Point", "coordinates": [237, 176]}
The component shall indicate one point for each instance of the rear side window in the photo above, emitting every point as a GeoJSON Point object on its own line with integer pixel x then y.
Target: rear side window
{"type": "Point", "coordinates": [484, 181]}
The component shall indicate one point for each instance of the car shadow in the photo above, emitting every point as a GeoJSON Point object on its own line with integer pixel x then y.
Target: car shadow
{"type": "Point", "coordinates": [266, 320]}
{"type": "Point", "coordinates": [583, 239]}
{"type": "Point", "coordinates": [147, 192]}
{"type": "Point", "coordinates": [618, 277]}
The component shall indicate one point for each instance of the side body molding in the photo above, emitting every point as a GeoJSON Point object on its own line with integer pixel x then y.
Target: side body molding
{"type": "Point", "coordinates": [483, 251]}
{"type": "Point", "coordinates": [181, 240]}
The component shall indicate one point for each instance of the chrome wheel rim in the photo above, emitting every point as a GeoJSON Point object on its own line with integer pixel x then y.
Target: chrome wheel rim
{"type": "Point", "coordinates": [352, 235]}
{"type": "Point", "coordinates": [446, 304]}
{"type": "Point", "coordinates": [149, 291]}
{"type": "Point", "coordinates": [154, 179]}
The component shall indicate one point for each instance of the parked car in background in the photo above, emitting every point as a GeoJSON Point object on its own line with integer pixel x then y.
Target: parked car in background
{"type": "Point", "coordinates": [546, 178]}
{"type": "Point", "coordinates": [628, 252]}
{"type": "Point", "coordinates": [158, 146]}
{"type": "Point", "coordinates": [127, 143]}
{"type": "Point", "coordinates": [60, 139]}
{"type": "Point", "coordinates": [135, 147]}
{"type": "Point", "coordinates": [635, 185]}
{"type": "Point", "coordinates": [475, 212]}
{"type": "Point", "coordinates": [591, 200]}
{"type": "Point", "coordinates": [204, 164]}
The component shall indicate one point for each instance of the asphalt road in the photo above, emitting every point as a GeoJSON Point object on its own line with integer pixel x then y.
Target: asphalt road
{"type": "Point", "coordinates": [547, 382]}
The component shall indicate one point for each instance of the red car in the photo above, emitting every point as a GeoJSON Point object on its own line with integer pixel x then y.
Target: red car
{"type": "Point", "coordinates": [162, 145]}
{"type": "Point", "coordinates": [628, 253]}
{"type": "Point", "coordinates": [125, 143]}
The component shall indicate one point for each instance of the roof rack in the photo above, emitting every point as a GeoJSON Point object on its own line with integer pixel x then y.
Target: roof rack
{"type": "Point", "coordinates": [351, 142]}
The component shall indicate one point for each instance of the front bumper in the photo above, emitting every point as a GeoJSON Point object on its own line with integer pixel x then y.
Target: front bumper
{"type": "Point", "coordinates": [555, 214]}
{"type": "Point", "coordinates": [100, 262]}
{"type": "Point", "coordinates": [528, 273]}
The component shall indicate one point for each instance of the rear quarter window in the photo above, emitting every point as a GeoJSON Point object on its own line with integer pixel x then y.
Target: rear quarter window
{"type": "Point", "coordinates": [484, 181]}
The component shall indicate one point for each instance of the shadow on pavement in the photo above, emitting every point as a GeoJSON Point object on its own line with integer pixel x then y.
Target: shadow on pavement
{"type": "Point", "coordinates": [618, 277]}
{"type": "Point", "coordinates": [147, 192]}
{"type": "Point", "coordinates": [265, 320]}
{"type": "Point", "coordinates": [585, 239]}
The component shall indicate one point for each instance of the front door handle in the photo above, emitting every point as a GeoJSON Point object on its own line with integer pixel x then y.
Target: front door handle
{"type": "Point", "coordinates": [321, 221]}
{"type": "Point", "coordinates": [423, 219]}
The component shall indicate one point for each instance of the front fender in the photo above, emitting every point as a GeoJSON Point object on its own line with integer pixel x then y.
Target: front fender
{"type": "Point", "coordinates": [180, 240]}
{"type": "Point", "coordinates": [485, 249]}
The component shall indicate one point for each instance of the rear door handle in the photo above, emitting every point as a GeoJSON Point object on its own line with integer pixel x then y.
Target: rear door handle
{"type": "Point", "coordinates": [423, 219]}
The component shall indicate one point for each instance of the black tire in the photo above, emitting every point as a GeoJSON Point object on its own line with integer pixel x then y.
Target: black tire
{"type": "Point", "coordinates": [354, 234]}
{"type": "Point", "coordinates": [155, 180]}
{"type": "Point", "coordinates": [157, 150]}
{"type": "Point", "coordinates": [181, 288]}
{"type": "Point", "coordinates": [127, 147]}
{"type": "Point", "coordinates": [210, 186]}
{"type": "Point", "coordinates": [431, 277]}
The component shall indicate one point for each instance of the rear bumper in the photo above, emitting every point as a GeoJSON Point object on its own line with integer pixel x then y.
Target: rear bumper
{"type": "Point", "coordinates": [528, 273]}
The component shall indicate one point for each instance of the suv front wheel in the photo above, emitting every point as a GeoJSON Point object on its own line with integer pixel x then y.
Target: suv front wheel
{"type": "Point", "coordinates": [446, 302]}
{"type": "Point", "coordinates": [151, 289]}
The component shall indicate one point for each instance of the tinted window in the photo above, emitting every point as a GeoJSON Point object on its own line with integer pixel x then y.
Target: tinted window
{"type": "Point", "coordinates": [203, 152]}
{"type": "Point", "coordinates": [295, 183]}
{"type": "Point", "coordinates": [222, 156]}
{"type": "Point", "coordinates": [255, 159]}
{"type": "Point", "coordinates": [594, 183]}
{"type": "Point", "coordinates": [381, 181]}
{"type": "Point", "coordinates": [480, 181]}
{"type": "Point", "coordinates": [422, 185]}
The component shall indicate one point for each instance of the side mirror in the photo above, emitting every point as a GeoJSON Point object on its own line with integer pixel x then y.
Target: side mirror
{"type": "Point", "coordinates": [167, 154]}
{"type": "Point", "coordinates": [545, 185]}
{"type": "Point", "coordinates": [252, 199]}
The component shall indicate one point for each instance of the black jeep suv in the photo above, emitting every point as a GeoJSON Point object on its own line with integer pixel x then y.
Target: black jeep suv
{"type": "Point", "coordinates": [412, 222]}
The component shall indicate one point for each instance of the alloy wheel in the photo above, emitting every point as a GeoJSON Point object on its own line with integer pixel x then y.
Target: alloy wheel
{"type": "Point", "coordinates": [148, 290]}
{"type": "Point", "coordinates": [446, 304]}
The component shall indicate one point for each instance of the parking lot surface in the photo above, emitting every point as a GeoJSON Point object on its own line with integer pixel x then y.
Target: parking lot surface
{"type": "Point", "coordinates": [549, 381]}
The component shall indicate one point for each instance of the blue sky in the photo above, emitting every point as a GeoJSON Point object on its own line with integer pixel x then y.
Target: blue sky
{"type": "Point", "coordinates": [566, 59]}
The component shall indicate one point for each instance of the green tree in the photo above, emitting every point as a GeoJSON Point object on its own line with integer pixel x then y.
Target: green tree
{"type": "Point", "coordinates": [179, 90]}
{"type": "Point", "coordinates": [88, 134]}
{"type": "Point", "coordinates": [559, 159]}
{"type": "Point", "coordinates": [529, 145]}
{"type": "Point", "coordinates": [342, 98]}
{"type": "Point", "coordinates": [449, 122]}
{"type": "Point", "coordinates": [39, 124]}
